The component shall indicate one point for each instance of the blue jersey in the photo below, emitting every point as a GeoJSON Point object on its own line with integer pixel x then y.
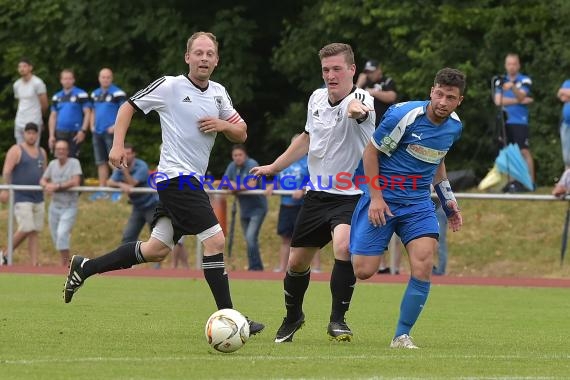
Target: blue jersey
{"type": "Point", "coordinates": [106, 104]}
{"type": "Point", "coordinates": [412, 148]}
{"type": "Point", "coordinates": [517, 113]}
{"type": "Point", "coordinates": [566, 107]}
{"type": "Point", "coordinates": [292, 178]}
{"type": "Point", "coordinates": [69, 107]}
{"type": "Point", "coordinates": [139, 171]}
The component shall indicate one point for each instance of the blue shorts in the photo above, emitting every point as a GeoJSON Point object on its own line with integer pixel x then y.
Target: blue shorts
{"type": "Point", "coordinates": [409, 222]}
{"type": "Point", "coordinates": [287, 219]}
{"type": "Point", "coordinates": [102, 144]}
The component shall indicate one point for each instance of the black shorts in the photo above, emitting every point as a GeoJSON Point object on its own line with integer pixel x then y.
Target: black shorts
{"type": "Point", "coordinates": [518, 134]}
{"type": "Point", "coordinates": [287, 220]}
{"type": "Point", "coordinates": [188, 208]}
{"type": "Point", "coordinates": [320, 214]}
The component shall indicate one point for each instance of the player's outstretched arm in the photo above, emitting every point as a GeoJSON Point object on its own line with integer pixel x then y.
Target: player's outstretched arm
{"type": "Point", "coordinates": [298, 148]}
{"type": "Point", "coordinates": [117, 155]}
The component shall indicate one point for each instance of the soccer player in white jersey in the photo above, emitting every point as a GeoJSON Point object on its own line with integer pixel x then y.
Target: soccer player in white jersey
{"type": "Point", "coordinates": [340, 121]}
{"type": "Point", "coordinates": [192, 110]}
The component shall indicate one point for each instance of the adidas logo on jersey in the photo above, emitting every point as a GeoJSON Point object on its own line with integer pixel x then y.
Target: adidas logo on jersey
{"type": "Point", "coordinates": [186, 100]}
{"type": "Point", "coordinates": [316, 113]}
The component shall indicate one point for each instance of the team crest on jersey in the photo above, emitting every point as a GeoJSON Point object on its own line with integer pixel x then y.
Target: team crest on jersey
{"type": "Point", "coordinates": [219, 100]}
{"type": "Point", "coordinates": [339, 115]}
{"type": "Point", "coordinates": [388, 144]}
{"type": "Point", "coordinates": [429, 155]}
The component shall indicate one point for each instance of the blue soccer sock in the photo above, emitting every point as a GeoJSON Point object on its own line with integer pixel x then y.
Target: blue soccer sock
{"type": "Point", "coordinates": [413, 302]}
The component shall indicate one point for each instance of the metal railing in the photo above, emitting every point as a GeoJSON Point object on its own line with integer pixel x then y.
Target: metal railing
{"type": "Point", "coordinates": [12, 188]}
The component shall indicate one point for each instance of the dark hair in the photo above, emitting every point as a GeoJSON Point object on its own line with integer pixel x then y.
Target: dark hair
{"type": "Point", "coordinates": [239, 147]}
{"type": "Point", "coordinates": [31, 126]}
{"type": "Point", "coordinates": [25, 60]}
{"type": "Point", "coordinates": [337, 48]}
{"type": "Point", "coordinates": [450, 77]}
{"type": "Point", "coordinates": [130, 146]}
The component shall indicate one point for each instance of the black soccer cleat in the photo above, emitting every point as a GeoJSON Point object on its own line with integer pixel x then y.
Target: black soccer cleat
{"type": "Point", "coordinates": [254, 327]}
{"type": "Point", "coordinates": [75, 277]}
{"type": "Point", "coordinates": [288, 329]}
{"type": "Point", "coordinates": [339, 331]}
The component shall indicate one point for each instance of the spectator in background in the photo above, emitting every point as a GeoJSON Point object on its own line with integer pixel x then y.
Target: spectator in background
{"type": "Point", "coordinates": [253, 208]}
{"type": "Point", "coordinates": [106, 102]}
{"type": "Point", "coordinates": [441, 267]}
{"type": "Point", "coordinates": [180, 255]}
{"type": "Point", "coordinates": [24, 165]}
{"type": "Point", "coordinates": [563, 186]}
{"type": "Point", "coordinates": [32, 100]}
{"type": "Point", "coordinates": [291, 178]}
{"type": "Point", "coordinates": [395, 251]}
{"type": "Point", "coordinates": [381, 88]}
{"type": "Point", "coordinates": [564, 96]}
{"type": "Point", "coordinates": [61, 174]}
{"type": "Point", "coordinates": [70, 114]}
{"type": "Point", "coordinates": [514, 96]}
{"type": "Point", "coordinates": [135, 174]}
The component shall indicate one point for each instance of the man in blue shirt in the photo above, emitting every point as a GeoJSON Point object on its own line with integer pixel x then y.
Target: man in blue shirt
{"type": "Point", "coordinates": [106, 102]}
{"type": "Point", "coordinates": [564, 96]}
{"type": "Point", "coordinates": [135, 174]}
{"type": "Point", "coordinates": [252, 207]}
{"type": "Point", "coordinates": [69, 117]}
{"type": "Point", "coordinates": [404, 157]}
{"type": "Point", "coordinates": [513, 94]}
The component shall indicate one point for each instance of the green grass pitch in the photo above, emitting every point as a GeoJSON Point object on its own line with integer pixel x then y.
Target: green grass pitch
{"type": "Point", "coordinates": [153, 328]}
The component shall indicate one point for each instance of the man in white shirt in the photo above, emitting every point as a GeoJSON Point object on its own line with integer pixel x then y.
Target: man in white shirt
{"type": "Point", "coordinates": [32, 100]}
{"type": "Point", "coordinates": [340, 122]}
{"type": "Point", "coordinates": [193, 110]}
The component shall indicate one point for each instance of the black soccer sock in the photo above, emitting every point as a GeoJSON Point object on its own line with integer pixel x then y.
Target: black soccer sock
{"type": "Point", "coordinates": [342, 287]}
{"type": "Point", "coordinates": [124, 257]}
{"type": "Point", "coordinates": [217, 278]}
{"type": "Point", "coordinates": [295, 285]}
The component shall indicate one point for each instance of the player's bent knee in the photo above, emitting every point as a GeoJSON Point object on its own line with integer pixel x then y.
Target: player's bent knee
{"type": "Point", "coordinates": [215, 243]}
{"type": "Point", "coordinates": [363, 273]}
{"type": "Point", "coordinates": [154, 250]}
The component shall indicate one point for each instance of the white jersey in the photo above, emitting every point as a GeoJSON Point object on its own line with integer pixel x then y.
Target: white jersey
{"type": "Point", "coordinates": [336, 141]}
{"type": "Point", "coordinates": [29, 106]}
{"type": "Point", "coordinates": [180, 104]}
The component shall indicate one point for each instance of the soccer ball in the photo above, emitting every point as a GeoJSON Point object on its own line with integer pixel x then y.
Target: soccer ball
{"type": "Point", "coordinates": [227, 330]}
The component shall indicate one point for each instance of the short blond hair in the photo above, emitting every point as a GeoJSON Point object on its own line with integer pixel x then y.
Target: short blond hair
{"type": "Point", "coordinates": [337, 48]}
{"type": "Point", "coordinates": [196, 35]}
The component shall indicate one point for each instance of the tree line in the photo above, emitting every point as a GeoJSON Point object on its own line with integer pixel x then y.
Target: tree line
{"type": "Point", "coordinates": [269, 62]}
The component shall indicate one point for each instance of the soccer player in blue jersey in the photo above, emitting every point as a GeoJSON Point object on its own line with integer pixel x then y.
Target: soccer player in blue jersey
{"type": "Point", "coordinates": [400, 163]}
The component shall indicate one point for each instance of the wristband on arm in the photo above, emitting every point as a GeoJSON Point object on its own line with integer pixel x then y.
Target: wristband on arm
{"type": "Point", "coordinates": [445, 195]}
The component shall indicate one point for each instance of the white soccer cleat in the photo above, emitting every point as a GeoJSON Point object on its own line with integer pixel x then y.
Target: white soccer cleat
{"type": "Point", "coordinates": [403, 341]}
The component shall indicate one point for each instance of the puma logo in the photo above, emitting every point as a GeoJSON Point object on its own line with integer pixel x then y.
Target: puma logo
{"type": "Point", "coordinates": [419, 137]}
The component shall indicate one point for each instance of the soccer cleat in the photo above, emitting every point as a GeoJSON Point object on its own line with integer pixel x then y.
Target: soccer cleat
{"type": "Point", "coordinates": [254, 327]}
{"type": "Point", "coordinates": [75, 277]}
{"type": "Point", "coordinates": [403, 341]}
{"type": "Point", "coordinates": [339, 331]}
{"type": "Point", "coordinates": [288, 329]}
